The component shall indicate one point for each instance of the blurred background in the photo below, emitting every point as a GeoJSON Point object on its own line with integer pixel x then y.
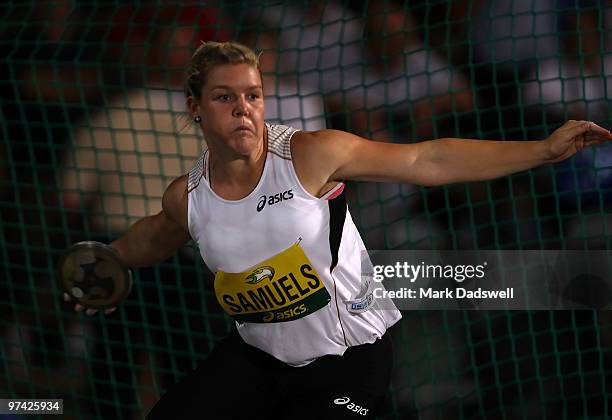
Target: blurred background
{"type": "Point", "coordinates": [93, 128]}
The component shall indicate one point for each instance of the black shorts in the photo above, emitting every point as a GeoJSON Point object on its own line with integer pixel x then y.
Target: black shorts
{"type": "Point", "coordinates": [239, 381]}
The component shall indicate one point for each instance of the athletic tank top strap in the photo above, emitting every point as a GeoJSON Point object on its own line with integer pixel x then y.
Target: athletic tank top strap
{"type": "Point", "coordinates": [197, 171]}
{"type": "Point", "coordinates": [279, 137]}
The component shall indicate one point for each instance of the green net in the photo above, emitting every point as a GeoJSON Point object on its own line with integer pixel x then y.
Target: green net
{"type": "Point", "coordinates": [92, 132]}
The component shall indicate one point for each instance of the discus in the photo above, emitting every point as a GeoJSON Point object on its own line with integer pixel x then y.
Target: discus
{"type": "Point", "coordinates": [93, 275]}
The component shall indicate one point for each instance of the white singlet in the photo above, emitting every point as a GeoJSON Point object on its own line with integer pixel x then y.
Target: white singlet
{"type": "Point", "coordinates": [288, 265]}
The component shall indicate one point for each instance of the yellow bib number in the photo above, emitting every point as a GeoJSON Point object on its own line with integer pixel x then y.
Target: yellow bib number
{"type": "Point", "coordinates": [282, 288]}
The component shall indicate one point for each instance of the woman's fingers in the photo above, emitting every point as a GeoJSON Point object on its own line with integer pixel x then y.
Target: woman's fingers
{"type": "Point", "coordinates": [593, 142]}
{"type": "Point", "coordinates": [576, 128]}
{"type": "Point", "coordinates": [594, 128]}
{"type": "Point", "coordinates": [77, 307]}
{"type": "Point", "coordinates": [89, 312]}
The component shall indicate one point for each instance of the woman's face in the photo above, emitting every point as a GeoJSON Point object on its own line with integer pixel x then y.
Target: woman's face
{"type": "Point", "coordinates": [232, 108]}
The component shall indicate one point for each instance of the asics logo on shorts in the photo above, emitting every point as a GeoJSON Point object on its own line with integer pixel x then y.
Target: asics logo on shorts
{"type": "Point", "coordinates": [346, 401]}
{"type": "Point", "coordinates": [342, 400]}
{"type": "Point", "coordinates": [273, 199]}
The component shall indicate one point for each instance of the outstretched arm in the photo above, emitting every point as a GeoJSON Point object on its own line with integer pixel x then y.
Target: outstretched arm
{"type": "Point", "coordinates": [332, 155]}
{"type": "Point", "coordinates": [155, 238]}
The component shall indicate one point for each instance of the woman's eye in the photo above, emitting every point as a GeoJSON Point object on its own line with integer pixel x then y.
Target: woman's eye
{"type": "Point", "coordinates": [224, 98]}
{"type": "Point", "coordinates": [253, 96]}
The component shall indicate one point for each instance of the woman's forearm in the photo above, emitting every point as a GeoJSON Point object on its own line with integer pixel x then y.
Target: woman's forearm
{"type": "Point", "coordinates": [452, 160]}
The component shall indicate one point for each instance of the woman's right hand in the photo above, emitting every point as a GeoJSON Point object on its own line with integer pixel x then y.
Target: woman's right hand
{"type": "Point", "coordinates": [90, 311]}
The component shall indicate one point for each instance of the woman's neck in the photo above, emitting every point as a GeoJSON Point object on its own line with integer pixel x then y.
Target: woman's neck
{"type": "Point", "coordinates": [229, 170]}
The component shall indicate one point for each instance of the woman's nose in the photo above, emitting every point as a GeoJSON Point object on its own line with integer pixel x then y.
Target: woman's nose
{"type": "Point", "coordinates": [241, 107]}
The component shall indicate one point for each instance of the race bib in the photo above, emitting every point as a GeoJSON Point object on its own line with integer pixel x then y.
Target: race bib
{"type": "Point", "coordinates": [282, 288]}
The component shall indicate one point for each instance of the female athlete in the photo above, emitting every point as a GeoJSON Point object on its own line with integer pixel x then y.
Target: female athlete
{"type": "Point", "coordinates": [265, 204]}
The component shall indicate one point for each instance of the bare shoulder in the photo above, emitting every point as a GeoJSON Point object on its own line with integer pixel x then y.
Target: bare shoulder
{"type": "Point", "coordinates": [323, 141]}
{"type": "Point", "coordinates": [330, 155]}
{"type": "Point", "coordinates": [174, 202]}
{"type": "Point", "coordinates": [312, 153]}
{"type": "Point", "coordinates": [334, 155]}
{"type": "Point", "coordinates": [324, 147]}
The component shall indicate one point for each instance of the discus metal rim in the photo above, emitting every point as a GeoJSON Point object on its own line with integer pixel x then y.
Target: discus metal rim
{"type": "Point", "coordinates": [104, 251]}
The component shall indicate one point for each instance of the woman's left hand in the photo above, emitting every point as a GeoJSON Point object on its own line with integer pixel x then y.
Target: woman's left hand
{"type": "Point", "coordinates": [572, 137]}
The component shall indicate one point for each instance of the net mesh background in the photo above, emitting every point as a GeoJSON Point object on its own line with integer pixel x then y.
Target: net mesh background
{"type": "Point", "coordinates": [93, 128]}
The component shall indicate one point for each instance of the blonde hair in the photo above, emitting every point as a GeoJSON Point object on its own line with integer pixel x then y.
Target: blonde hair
{"type": "Point", "coordinates": [211, 54]}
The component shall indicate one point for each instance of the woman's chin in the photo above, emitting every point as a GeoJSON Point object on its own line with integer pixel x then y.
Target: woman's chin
{"type": "Point", "coordinates": [245, 144]}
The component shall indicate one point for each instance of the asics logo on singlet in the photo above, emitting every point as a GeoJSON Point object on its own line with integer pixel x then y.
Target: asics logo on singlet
{"type": "Point", "coordinates": [273, 199]}
{"type": "Point", "coordinates": [346, 401]}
